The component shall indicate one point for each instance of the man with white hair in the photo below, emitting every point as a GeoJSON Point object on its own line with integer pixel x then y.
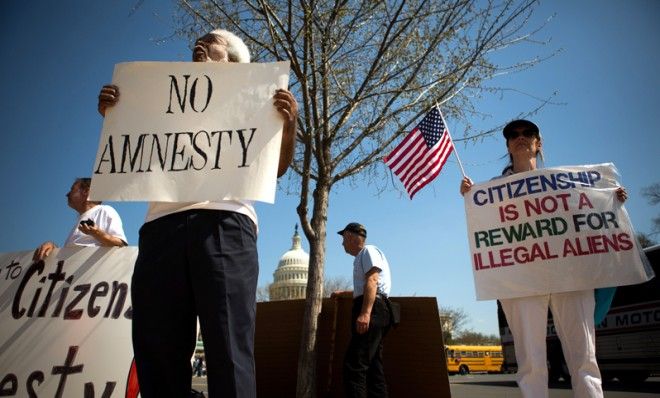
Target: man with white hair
{"type": "Point", "coordinates": [200, 260]}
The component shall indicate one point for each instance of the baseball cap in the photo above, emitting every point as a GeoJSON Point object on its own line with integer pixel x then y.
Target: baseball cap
{"type": "Point", "coordinates": [355, 228]}
{"type": "Point", "coordinates": [516, 124]}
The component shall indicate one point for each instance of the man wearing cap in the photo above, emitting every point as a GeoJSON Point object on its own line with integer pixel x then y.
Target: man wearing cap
{"type": "Point", "coordinates": [370, 317]}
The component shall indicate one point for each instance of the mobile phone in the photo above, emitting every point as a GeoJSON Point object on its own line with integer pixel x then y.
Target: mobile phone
{"type": "Point", "coordinates": [87, 222]}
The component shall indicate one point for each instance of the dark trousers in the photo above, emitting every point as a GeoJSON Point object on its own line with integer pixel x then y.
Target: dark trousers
{"type": "Point", "coordinates": [195, 263]}
{"type": "Point", "coordinates": [363, 364]}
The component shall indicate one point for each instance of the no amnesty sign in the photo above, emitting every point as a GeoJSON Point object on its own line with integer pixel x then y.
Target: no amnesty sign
{"type": "Point", "coordinates": [190, 132]}
{"type": "Point", "coordinates": [551, 230]}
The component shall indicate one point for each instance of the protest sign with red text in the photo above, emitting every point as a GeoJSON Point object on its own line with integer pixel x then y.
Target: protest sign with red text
{"type": "Point", "coordinates": [551, 230]}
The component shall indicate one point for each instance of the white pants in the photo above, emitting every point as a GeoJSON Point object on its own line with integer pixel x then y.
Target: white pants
{"type": "Point", "coordinates": [573, 315]}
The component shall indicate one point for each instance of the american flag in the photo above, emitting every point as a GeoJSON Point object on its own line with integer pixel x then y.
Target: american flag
{"type": "Point", "coordinates": [418, 159]}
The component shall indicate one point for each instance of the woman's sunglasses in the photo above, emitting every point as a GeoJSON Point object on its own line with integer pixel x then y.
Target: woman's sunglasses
{"type": "Point", "coordinates": [527, 133]}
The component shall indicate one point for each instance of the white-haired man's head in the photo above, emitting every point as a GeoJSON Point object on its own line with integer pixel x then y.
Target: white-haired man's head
{"type": "Point", "coordinates": [220, 46]}
{"type": "Point", "coordinates": [238, 51]}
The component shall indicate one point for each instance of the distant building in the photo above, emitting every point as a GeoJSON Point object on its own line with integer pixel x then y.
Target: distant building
{"type": "Point", "coordinates": [290, 277]}
{"type": "Point", "coordinates": [447, 322]}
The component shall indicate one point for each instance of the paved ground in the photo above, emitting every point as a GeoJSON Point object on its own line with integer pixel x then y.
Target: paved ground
{"type": "Point", "coordinates": [504, 386]}
{"type": "Point", "coordinates": [199, 384]}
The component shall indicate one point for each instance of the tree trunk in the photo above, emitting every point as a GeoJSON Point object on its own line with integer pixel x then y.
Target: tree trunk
{"type": "Point", "coordinates": [306, 383]}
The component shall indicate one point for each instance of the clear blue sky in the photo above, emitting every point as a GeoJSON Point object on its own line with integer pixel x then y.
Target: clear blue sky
{"type": "Point", "coordinates": [57, 55]}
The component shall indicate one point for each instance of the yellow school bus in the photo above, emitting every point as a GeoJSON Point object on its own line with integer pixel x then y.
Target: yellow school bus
{"type": "Point", "coordinates": [464, 359]}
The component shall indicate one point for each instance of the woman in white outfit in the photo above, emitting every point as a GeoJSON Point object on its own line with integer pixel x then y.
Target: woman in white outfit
{"type": "Point", "coordinates": [573, 312]}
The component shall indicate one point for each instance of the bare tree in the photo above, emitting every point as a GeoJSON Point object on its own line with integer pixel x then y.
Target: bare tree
{"type": "Point", "coordinates": [469, 337]}
{"type": "Point", "coordinates": [452, 320]}
{"type": "Point", "coordinates": [645, 240]}
{"type": "Point", "coordinates": [652, 194]}
{"type": "Point", "coordinates": [334, 284]}
{"type": "Point", "coordinates": [364, 72]}
{"type": "Point", "coordinates": [263, 293]}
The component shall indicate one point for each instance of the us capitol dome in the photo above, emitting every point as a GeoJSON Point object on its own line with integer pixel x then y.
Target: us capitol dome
{"type": "Point", "coordinates": [290, 277]}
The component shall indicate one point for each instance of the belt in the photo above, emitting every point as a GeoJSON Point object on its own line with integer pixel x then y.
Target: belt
{"type": "Point", "coordinates": [381, 296]}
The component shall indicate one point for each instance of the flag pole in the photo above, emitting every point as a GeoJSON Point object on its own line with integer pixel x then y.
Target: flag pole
{"type": "Point", "coordinates": [452, 140]}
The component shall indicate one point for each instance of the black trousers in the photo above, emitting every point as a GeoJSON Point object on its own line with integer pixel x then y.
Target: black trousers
{"type": "Point", "coordinates": [363, 365]}
{"type": "Point", "coordinates": [195, 263]}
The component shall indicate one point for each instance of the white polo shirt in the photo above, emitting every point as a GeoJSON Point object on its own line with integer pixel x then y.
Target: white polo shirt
{"type": "Point", "coordinates": [371, 257]}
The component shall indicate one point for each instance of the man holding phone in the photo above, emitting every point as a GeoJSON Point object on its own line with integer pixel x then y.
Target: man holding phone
{"type": "Point", "coordinates": [97, 224]}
